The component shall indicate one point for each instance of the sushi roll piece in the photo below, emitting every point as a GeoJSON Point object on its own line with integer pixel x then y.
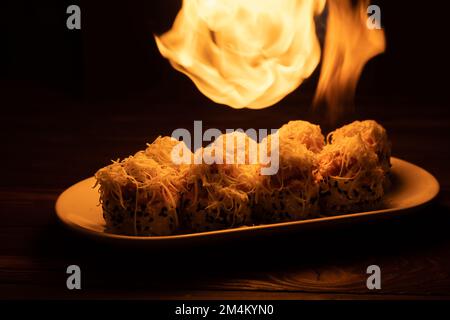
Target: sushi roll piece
{"type": "Point", "coordinates": [140, 195]}
{"type": "Point", "coordinates": [303, 132]}
{"type": "Point", "coordinates": [350, 175]}
{"type": "Point", "coordinates": [292, 193]}
{"type": "Point", "coordinates": [372, 134]}
{"type": "Point", "coordinates": [218, 194]}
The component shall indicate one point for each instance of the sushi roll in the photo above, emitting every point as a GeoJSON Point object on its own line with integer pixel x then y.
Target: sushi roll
{"type": "Point", "coordinates": [372, 134]}
{"type": "Point", "coordinates": [302, 132]}
{"type": "Point", "coordinates": [140, 195]}
{"type": "Point", "coordinates": [218, 194]}
{"type": "Point", "coordinates": [350, 176]}
{"type": "Point", "coordinates": [292, 193]}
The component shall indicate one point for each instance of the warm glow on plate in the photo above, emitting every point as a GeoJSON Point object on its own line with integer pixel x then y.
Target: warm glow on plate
{"type": "Point", "coordinates": [78, 208]}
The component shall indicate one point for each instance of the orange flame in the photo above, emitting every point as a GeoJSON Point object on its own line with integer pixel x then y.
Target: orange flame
{"type": "Point", "coordinates": [349, 44]}
{"type": "Point", "coordinates": [252, 53]}
{"type": "Point", "coordinates": [244, 53]}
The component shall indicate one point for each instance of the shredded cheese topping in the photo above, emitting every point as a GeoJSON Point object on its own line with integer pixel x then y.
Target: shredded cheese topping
{"type": "Point", "coordinates": [371, 133]}
{"type": "Point", "coordinates": [354, 166]}
{"type": "Point", "coordinates": [303, 132]}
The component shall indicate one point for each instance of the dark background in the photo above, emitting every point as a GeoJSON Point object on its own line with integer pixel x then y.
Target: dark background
{"type": "Point", "coordinates": [53, 76]}
{"type": "Point", "coordinates": [72, 100]}
{"type": "Point", "coordinates": [114, 55]}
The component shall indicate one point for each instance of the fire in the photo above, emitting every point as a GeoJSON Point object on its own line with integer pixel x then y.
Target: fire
{"type": "Point", "coordinates": [249, 53]}
{"type": "Point", "coordinates": [252, 53]}
{"type": "Point", "coordinates": [349, 44]}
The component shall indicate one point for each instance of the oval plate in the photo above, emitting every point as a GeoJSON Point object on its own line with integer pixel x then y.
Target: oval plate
{"type": "Point", "coordinates": [412, 187]}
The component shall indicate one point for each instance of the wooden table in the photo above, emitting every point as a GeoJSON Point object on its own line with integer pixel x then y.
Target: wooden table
{"type": "Point", "coordinates": [54, 141]}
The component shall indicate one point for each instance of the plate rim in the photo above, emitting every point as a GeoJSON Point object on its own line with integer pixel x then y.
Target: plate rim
{"type": "Point", "coordinates": [67, 222]}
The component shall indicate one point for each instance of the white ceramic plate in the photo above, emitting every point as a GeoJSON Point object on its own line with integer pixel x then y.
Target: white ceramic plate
{"type": "Point", "coordinates": [412, 187]}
